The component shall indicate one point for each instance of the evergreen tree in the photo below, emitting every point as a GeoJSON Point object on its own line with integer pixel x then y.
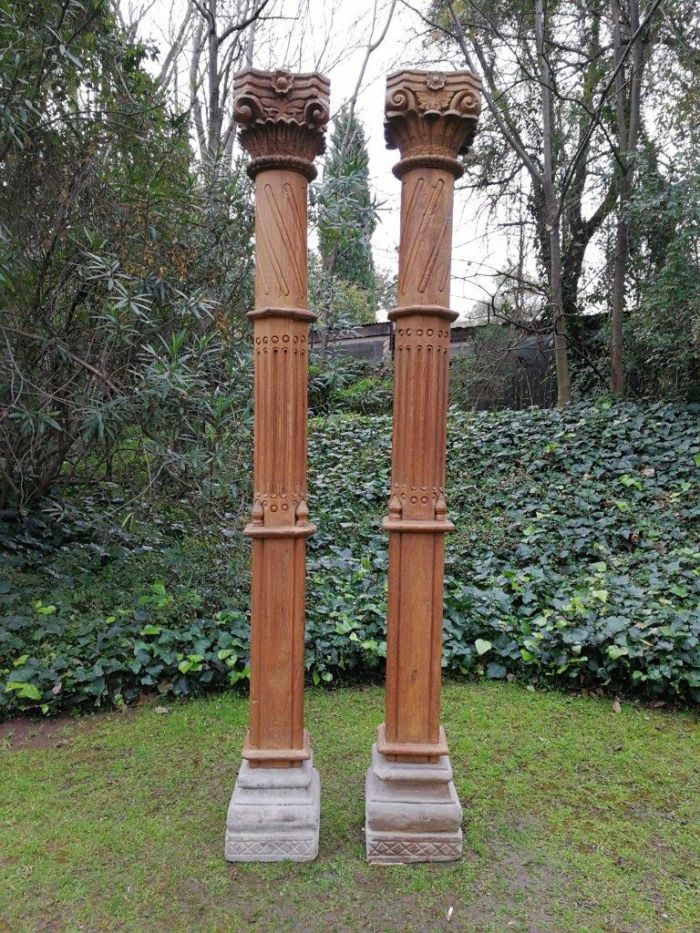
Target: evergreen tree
{"type": "Point", "coordinates": [347, 219]}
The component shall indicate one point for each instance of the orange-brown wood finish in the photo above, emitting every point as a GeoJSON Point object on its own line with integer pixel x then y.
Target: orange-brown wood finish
{"type": "Point", "coordinates": [431, 118]}
{"type": "Point", "coordinates": [282, 119]}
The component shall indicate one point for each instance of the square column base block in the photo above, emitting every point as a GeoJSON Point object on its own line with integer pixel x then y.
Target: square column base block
{"type": "Point", "coordinates": [412, 813]}
{"type": "Point", "coordinates": [274, 815]}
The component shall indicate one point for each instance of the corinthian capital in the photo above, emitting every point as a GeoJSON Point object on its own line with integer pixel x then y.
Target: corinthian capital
{"type": "Point", "coordinates": [431, 115]}
{"type": "Point", "coordinates": [282, 118]}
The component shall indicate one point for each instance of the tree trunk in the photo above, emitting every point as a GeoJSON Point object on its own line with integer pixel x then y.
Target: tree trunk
{"type": "Point", "coordinates": [561, 340]}
{"type": "Point", "coordinates": [617, 372]}
{"type": "Point", "coordinates": [561, 355]}
{"type": "Point", "coordinates": [628, 132]}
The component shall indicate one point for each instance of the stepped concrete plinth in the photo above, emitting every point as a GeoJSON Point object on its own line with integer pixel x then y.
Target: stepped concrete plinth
{"type": "Point", "coordinates": [412, 813]}
{"type": "Point", "coordinates": [274, 815]}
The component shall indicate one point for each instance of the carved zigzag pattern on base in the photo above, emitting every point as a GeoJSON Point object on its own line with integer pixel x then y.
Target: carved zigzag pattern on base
{"type": "Point", "coordinates": [256, 848]}
{"type": "Point", "coordinates": [414, 848]}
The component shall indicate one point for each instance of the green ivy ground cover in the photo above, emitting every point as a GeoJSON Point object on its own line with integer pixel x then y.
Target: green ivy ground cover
{"type": "Point", "coordinates": [576, 818]}
{"type": "Point", "coordinates": [576, 563]}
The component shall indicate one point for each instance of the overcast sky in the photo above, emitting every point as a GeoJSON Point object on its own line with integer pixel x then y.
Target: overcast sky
{"type": "Point", "coordinates": [335, 35]}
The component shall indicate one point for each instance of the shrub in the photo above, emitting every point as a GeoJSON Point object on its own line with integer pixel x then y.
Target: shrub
{"type": "Point", "coordinates": [339, 382]}
{"type": "Point", "coordinates": [576, 558]}
{"type": "Point", "coordinates": [662, 332]}
{"type": "Point", "coordinates": [122, 276]}
{"type": "Point", "coordinates": [575, 563]}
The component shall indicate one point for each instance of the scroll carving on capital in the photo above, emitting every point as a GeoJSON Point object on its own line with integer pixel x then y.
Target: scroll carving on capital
{"type": "Point", "coordinates": [431, 114]}
{"type": "Point", "coordinates": [282, 118]}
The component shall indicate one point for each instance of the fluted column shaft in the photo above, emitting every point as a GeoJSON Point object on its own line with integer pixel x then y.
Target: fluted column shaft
{"type": "Point", "coordinates": [282, 117]}
{"type": "Point", "coordinates": [431, 118]}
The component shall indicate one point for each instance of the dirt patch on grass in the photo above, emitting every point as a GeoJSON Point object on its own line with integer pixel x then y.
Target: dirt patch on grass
{"type": "Point", "coordinates": [27, 733]}
{"type": "Point", "coordinates": [372, 904]}
{"type": "Point", "coordinates": [513, 887]}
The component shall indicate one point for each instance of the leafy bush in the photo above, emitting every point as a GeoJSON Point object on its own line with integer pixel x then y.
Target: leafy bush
{"type": "Point", "coordinates": [576, 562]}
{"type": "Point", "coordinates": [339, 382]}
{"type": "Point", "coordinates": [371, 395]}
{"type": "Point", "coordinates": [116, 262]}
{"type": "Point", "coordinates": [576, 558]}
{"type": "Point", "coordinates": [110, 628]}
{"type": "Point", "coordinates": [662, 333]}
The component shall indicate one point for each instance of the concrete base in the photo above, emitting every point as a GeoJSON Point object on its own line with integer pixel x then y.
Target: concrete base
{"type": "Point", "coordinates": [412, 813]}
{"type": "Point", "coordinates": [274, 815]}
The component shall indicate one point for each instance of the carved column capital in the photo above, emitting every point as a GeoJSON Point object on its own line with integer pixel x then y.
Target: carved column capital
{"type": "Point", "coordinates": [282, 118]}
{"type": "Point", "coordinates": [431, 117]}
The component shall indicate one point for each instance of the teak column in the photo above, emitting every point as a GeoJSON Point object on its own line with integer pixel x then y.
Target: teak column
{"type": "Point", "coordinates": [412, 809]}
{"type": "Point", "coordinates": [274, 808]}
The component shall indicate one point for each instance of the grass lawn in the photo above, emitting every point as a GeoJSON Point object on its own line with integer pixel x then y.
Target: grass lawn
{"type": "Point", "coordinates": [576, 818]}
